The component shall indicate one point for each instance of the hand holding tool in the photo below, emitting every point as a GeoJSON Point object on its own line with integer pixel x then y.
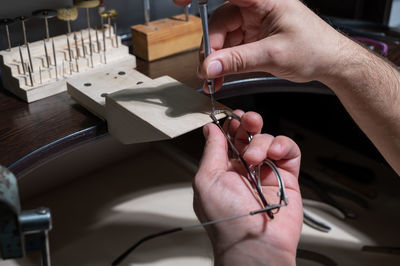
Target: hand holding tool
{"type": "Point", "coordinates": [203, 7]}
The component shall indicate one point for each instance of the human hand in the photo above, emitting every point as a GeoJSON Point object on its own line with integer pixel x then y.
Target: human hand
{"type": "Point", "coordinates": [282, 37]}
{"type": "Point", "coordinates": [221, 190]}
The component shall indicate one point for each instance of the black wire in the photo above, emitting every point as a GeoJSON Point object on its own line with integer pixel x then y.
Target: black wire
{"type": "Point", "coordinates": [144, 239]}
{"type": "Point", "coordinates": [178, 229]}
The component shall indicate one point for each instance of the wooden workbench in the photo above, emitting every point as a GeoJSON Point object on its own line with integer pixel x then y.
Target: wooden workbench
{"type": "Point", "coordinates": [26, 129]}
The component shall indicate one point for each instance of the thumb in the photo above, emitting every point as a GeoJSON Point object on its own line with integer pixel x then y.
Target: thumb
{"type": "Point", "coordinates": [215, 154]}
{"type": "Point", "coordinates": [248, 57]}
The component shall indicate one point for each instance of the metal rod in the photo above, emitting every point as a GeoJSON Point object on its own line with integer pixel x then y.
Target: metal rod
{"type": "Point", "coordinates": [146, 11]}
{"type": "Point", "coordinates": [90, 37]}
{"type": "Point", "coordinates": [88, 17]}
{"type": "Point", "coordinates": [22, 60]}
{"type": "Point", "coordinates": [104, 44]}
{"type": "Point", "coordinates": [69, 26]}
{"type": "Point", "coordinates": [8, 38]}
{"type": "Point", "coordinates": [77, 52]}
{"type": "Point", "coordinates": [109, 26]}
{"type": "Point", "coordinates": [30, 75]}
{"type": "Point", "coordinates": [29, 56]}
{"type": "Point", "coordinates": [207, 47]}
{"type": "Point", "coordinates": [40, 74]}
{"type": "Point", "coordinates": [47, 29]}
{"type": "Point", "coordinates": [45, 249]}
{"type": "Point", "coordinates": [97, 41]}
{"type": "Point", "coordinates": [83, 45]}
{"type": "Point", "coordinates": [187, 7]}
{"type": "Point", "coordinates": [63, 68]}
{"type": "Point", "coordinates": [55, 58]}
{"type": "Point", "coordinates": [70, 56]}
{"type": "Point", "coordinates": [24, 31]}
{"type": "Point", "coordinates": [90, 49]}
{"type": "Point", "coordinates": [46, 53]}
{"type": "Point", "coordinates": [116, 35]}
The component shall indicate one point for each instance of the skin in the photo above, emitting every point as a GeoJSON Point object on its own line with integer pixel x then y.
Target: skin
{"type": "Point", "coordinates": [220, 190]}
{"type": "Point", "coordinates": [286, 39]}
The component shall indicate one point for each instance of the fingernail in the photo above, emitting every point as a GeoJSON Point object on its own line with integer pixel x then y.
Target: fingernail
{"type": "Point", "coordinates": [205, 131]}
{"type": "Point", "coordinates": [214, 68]}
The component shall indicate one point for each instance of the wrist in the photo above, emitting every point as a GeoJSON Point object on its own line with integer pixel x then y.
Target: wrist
{"type": "Point", "coordinates": [253, 252]}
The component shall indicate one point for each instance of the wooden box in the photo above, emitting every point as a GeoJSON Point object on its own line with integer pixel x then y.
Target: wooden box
{"type": "Point", "coordinates": [166, 37]}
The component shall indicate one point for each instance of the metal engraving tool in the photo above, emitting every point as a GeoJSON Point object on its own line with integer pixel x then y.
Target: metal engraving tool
{"type": "Point", "coordinates": [203, 7]}
{"type": "Point", "coordinates": [45, 14]}
{"type": "Point", "coordinates": [67, 14]}
{"type": "Point", "coordinates": [6, 22]}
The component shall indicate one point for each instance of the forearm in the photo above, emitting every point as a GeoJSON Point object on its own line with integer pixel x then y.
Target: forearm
{"type": "Point", "coordinates": [253, 253]}
{"type": "Point", "coordinates": [369, 88]}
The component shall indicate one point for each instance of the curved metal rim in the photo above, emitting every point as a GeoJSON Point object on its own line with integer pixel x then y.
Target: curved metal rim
{"type": "Point", "coordinates": [269, 85]}
{"type": "Point", "coordinates": [40, 156]}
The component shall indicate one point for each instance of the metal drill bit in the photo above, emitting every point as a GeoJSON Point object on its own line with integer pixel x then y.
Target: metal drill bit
{"type": "Point", "coordinates": [109, 26]}
{"type": "Point", "coordinates": [90, 50]}
{"type": "Point", "coordinates": [46, 54]}
{"type": "Point", "coordinates": [47, 29]}
{"type": "Point", "coordinates": [23, 19]}
{"type": "Point", "coordinates": [116, 35]}
{"type": "Point", "coordinates": [6, 22]}
{"type": "Point", "coordinates": [187, 12]}
{"type": "Point", "coordinates": [90, 37]}
{"type": "Point", "coordinates": [83, 46]}
{"type": "Point", "coordinates": [88, 18]}
{"type": "Point", "coordinates": [22, 60]}
{"type": "Point", "coordinates": [8, 38]}
{"type": "Point", "coordinates": [146, 11]}
{"type": "Point", "coordinates": [104, 45]}
{"type": "Point", "coordinates": [67, 14]}
{"type": "Point", "coordinates": [40, 74]}
{"type": "Point", "coordinates": [77, 52]}
{"type": "Point", "coordinates": [30, 75]}
{"type": "Point", "coordinates": [97, 41]}
{"type": "Point", "coordinates": [70, 56]}
{"type": "Point", "coordinates": [29, 55]}
{"type": "Point", "coordinates": [207, 48]}
{"type": "Point", "coordinates": [69, 26]}
{"type": "Point", "coordinates": [55, 58]}
{"type": "Point", "coordinates": [45, 14]}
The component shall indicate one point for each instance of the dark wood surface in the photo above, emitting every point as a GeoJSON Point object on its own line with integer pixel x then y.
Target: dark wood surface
{"type": "Point", "coordinates": [25, 128]}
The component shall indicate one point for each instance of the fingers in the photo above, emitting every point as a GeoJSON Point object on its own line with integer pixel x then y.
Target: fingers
{"type": "Point", "coordinates": [232, 126]}
{"type": "Point", "coordinates": [257, 150]}
{"type": "Point", "coordinates": [224, 21]}
{"type": "Point", "coordinates": [254, 56]}
{"type": "Point", "coordinates": [283, 148]}
{"type": "Point", "coordinates": [215, 154]}
{"type": "Point", "coordinates": [286, 153]}
{"type": "Point", "coordinates": [251, 122]}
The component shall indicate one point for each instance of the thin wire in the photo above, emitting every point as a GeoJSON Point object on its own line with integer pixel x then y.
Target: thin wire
{"type": "Point", "coordinates": [253, 176]}
{"type": "Point", "coordinates": [120, 258]}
